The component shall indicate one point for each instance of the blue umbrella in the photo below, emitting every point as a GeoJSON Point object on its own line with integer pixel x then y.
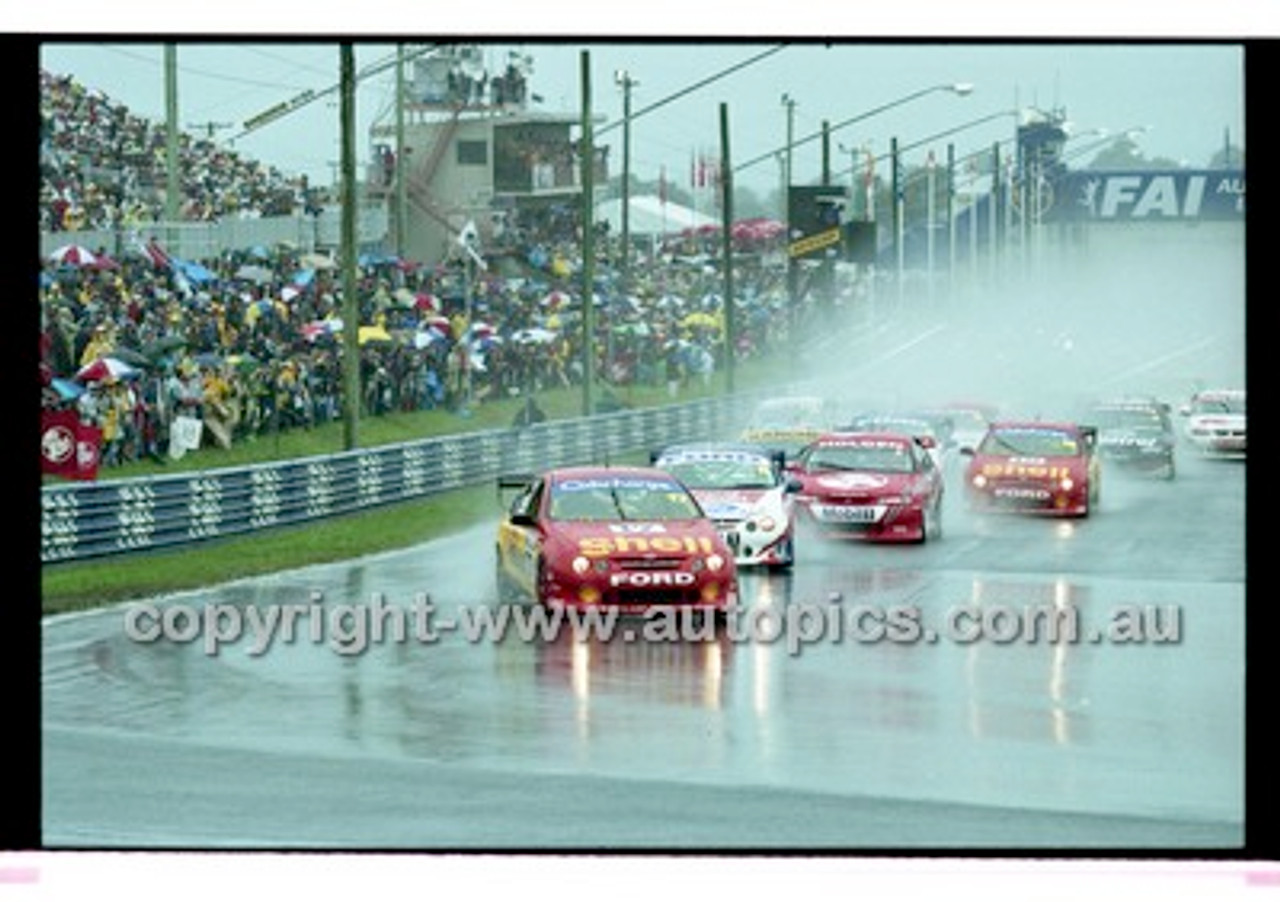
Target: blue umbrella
{"type": "Point", "coordinates": [67, 389]}
{"type": "Point", "coordinates": [304, 277]}
{"type": "Point", "coordinates": [193, 271]}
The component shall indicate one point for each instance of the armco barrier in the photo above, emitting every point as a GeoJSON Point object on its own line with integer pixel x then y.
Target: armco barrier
{"type": "Point", "coordinates": [85, 520]}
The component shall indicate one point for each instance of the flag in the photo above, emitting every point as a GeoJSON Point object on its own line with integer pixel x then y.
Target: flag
{"type": "Point", "coordinates": [69, 447]}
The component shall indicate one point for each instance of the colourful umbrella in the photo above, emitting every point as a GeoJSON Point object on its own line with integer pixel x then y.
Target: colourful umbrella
{"type": "Point", "coordinates": [105, 368]}
{"type": "Point", "coordinates": [74, 255]}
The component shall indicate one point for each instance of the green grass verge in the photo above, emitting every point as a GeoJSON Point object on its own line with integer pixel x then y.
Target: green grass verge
{"type": "Point", "coordinates": [78, 585]}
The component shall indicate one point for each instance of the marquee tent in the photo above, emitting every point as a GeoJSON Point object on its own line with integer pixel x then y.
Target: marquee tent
{"type": "Point", "coordinates": [650, 216]}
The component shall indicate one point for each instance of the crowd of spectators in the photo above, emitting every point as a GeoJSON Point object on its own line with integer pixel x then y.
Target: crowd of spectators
{"type": "Point", "coordinates": [103, 167]}
{"type": "Point", "coordinates": [250, 342]}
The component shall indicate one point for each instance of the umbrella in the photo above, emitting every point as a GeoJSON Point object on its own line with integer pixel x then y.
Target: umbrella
{"type": "Point", "coordinates": [555, 299]}
{"type": "Point", "coordinates": [193, 271]}
{"type": "Point", "coordinates": [426, 338]}
{"type": "Point", "coordinates": [162, 346]}
{"type": "Point", "coordinates": [317, 261]}
{"type": "Point", "coordinates": [699, 319]}
{"type": "Point", "coordinates": [131, 357]}
{"type": "Point", "coordinates": [74, 255]}
{"type": "Point", "coordinates": [427, 302]}
{"type": "Point", "coordinates": [534, 336]}
{"type": "Point", "coordinates": [372, 333]}
{"type": "Point", "coordinates": [66, 389]}
{"type": "Point", "coordinates": [288, 293]}
{"type": "Point", "coordinates": [105, 368]}
{"type": "Point", "coordinates": [254, 273]}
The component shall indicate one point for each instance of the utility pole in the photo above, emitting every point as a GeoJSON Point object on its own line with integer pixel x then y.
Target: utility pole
{"type": "Point", "coordinates": [995, 209]}
{"type": "Point", "coordinates": [172, 163]}
{"type": "Point", "coordinates": [623, 78]}
{"type": "Point", "coordinates": [726, 206]}
{"type": "Point", "coordinates": [899, 252]}
{"type": "Point", "coordinates": [951, 222]}
{"type": "Point", "coordinates": [587, 161]}
{"type": "Point", "coordinates": [350, 303]}
{"type": "Point", "coordinates": [401, 170]}
{"type": "Point", "coordinates": [828, 261]}
{"type": "Point", "coordinates": [793, 269]}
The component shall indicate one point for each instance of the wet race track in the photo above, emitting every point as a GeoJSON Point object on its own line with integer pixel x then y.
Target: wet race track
{"type": "Point", "coordinates": [748, 739]}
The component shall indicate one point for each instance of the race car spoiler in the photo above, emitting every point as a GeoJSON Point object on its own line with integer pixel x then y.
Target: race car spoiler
{"type": "Point", "coordinates": [776, 455]}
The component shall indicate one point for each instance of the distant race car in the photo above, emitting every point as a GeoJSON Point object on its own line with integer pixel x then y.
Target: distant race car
{"type": "Point", "coordinates": [1216, 422]}
{"type": "Point", "coordinates": [1135, 435]}
{"type": "Point", "coordinates": [1034, 467]}
{"type": "Point", "coordinates": [630, 538]}
{"type": "Point", "coordinates": [969, 421]}
{"type": "Point", "coordinates": [745, 492]}
{"type": "Point", "coordinates": [788, 423]}
{"type": "Point", "coordinates": [917, 425]}
{"type": "Point", "coordinates": [874, 486]}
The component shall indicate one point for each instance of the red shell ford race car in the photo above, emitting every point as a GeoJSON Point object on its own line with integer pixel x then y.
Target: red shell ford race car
{"type": "Point", "coordinates": [874, 486]}
{"type": "Point", "coordinates": [1035, 467]}
{"type": "Point", "coordinates": [632, 538]}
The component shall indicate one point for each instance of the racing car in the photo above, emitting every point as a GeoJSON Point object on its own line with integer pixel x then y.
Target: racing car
{"type": "Point", "coordinates": [745, 492]}
{"type": "Point", "coordinates": [1135, 435]}
{"type": "Point", "coordinates": [969, 421]}
{"type": "Point", "coordinates": [873, 486]}
{"type": "Point", "coordinates": [631, 538]}
{"type": "Point", "coordinates": [1034, 467]}
{"type": "Point", "coordinates": [789, 423]}
{"type": "Point", "coordinates": [1216, 422]}
{"type": "Point", "coordinates": [917, 425]}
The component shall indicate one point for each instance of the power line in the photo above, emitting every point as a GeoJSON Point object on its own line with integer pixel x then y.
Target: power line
{"type": "Point", "coordinates": [693, 87]}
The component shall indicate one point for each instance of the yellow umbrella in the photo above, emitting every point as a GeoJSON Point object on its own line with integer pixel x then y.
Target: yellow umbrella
{"type": "Point", "coordinates": [699, 319]}
{"type": "Point", "coordinates": [372, 333]}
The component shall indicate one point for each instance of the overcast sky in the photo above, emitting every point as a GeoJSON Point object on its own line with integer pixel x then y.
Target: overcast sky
{"type": "Point", "coordinates": [1188, 93]}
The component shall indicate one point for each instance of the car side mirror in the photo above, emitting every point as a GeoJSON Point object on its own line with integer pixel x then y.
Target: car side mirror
{"type": "Point", "coordinates": [966, 450]}
{"type": "Point", "coordinates": [926, 441]}
{"type": "Point", "coordinates": [792, 485]}
{"type": "Point", "coordinates": [523, 519]}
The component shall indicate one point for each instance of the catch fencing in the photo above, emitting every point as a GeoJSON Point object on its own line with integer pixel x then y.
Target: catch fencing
{"type": "Point", "coordinates": [87, 520]}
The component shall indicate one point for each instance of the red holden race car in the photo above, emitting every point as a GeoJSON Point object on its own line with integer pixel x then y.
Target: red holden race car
{"type": "Point", "coordinates": [876, 486]}
{"type": "Point", "coordinates": [1035, 467]}
{"type": "Point", "coordinates": [632, 538]}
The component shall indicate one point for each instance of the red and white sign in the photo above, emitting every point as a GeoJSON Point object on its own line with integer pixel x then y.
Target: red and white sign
{"type": "Point", "coordinates": [68, 447]}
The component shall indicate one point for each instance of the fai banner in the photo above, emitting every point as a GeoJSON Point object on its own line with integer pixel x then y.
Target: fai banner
{"type": "Point", "coordinates": [1183, 195]}
{"type": "Point", "coordinates": [68, 447]}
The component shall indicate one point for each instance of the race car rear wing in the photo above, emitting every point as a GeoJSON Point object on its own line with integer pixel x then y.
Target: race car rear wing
{"type": "Point", "coordinates": [515, 480]}
{"type": "Point", "coordinates": [777, 456]}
